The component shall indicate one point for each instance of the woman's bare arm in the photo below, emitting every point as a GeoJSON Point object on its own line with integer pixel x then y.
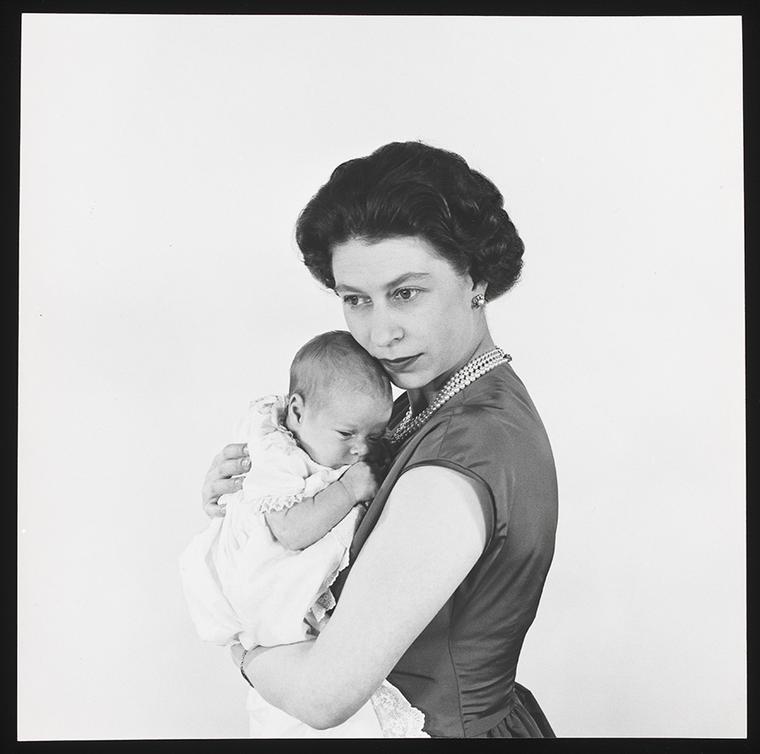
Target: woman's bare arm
{"type": "Point", "coordinates": [429, 535]}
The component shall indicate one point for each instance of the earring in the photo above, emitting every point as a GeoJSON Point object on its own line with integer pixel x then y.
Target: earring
{"type": "Point", "coordinates": [479, 301]}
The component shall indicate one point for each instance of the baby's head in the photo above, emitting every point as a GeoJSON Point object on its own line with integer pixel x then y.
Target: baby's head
{"type": "Point", "coordinates": [339, 400]}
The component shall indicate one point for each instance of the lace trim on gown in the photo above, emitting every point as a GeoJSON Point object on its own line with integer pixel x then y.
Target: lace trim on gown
{"type": "Point", "coordinates": [270, 503]}
{"type": "Point", "coordinates": [397, 718]}
{"type": "Point", "coordinates": [317, 616]}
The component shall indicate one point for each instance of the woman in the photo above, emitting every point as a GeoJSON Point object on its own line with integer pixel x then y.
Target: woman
{"type": "Point", "coordinates": [449, 562]}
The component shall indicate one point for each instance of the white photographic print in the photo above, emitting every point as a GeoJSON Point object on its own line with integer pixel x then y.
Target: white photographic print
{"type": "Point", "coordinates": [533, 245]}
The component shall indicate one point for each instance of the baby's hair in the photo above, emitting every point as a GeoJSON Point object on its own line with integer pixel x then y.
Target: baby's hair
{"type": "Point", "coordinates": [332, 362]}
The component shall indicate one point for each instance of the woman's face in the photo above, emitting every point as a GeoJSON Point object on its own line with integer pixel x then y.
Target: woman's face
{"type": "Point", "coordinates": [408, 307]}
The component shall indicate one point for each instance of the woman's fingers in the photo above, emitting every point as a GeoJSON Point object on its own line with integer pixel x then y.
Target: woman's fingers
{"type": "Point", "coordinates": [213, 490]}
{"type": "Point", "coordinates": [212, 510]}
{"type": "Point", "coordinates": [233, 467]}
{"type": "Point", "coordinates": [235, 450]}
{"type": "Point", "coordinates": [230, 462]}
{"type": "Point", "coordinates": [221, 487]}
{"type": "Point", "coordinates": [224, 479]}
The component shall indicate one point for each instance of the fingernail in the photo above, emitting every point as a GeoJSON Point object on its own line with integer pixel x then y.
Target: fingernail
{"type": "Point", "coordinates": [246, 463]}
{"type": "Point", "coordinates": [245, 451]}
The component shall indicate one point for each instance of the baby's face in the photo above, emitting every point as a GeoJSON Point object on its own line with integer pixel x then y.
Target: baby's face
{"type": "Point", "coordinates": [339, 431]}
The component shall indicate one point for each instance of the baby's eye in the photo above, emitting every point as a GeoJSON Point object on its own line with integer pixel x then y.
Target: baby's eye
{"type": "Point", "coordinates": [406, 294]}
{"type": "Point", "coordinates": [343, 434]}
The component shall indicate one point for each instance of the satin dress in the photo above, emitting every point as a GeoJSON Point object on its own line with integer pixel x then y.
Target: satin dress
{"type": "Point", "coordinates": [461, 670]}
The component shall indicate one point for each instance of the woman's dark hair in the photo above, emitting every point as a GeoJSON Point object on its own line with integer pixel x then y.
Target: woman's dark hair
{"type": "Point", "coordinates": [412, 189]}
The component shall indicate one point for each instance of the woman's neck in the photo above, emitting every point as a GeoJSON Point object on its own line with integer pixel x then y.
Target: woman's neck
{"type": "Point", "coordinates": [421, 398]}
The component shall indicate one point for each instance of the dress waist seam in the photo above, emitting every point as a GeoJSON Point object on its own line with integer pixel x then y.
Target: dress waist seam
{"type": "Point", "coordinates": [482, 724]}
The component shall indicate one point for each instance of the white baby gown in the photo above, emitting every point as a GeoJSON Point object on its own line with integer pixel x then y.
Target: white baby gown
{"type": "Point", "coordinates": [242, 585]}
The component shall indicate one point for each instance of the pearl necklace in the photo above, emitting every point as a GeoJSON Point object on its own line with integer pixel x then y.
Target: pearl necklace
{"type": "Point", "coordinates": [457, 382]}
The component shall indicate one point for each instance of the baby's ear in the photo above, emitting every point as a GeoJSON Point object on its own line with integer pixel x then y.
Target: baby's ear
{"type": "Point", "coordinates": [295, 407]}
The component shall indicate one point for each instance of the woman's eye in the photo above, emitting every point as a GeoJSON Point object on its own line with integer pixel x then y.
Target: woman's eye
{"type": "Point", "coordinates": [351, 300]}
{"type": "Point", "coordinates": [406, 294]}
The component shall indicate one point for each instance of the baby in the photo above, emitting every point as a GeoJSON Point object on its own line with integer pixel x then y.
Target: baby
{"type": "Point", "coordinates": [261, 575]}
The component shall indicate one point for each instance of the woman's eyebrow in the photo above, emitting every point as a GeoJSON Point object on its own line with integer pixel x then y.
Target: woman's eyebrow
{"type": "Point", "coordinates": [400, 280]}
{"type": "Point", "coordinates": [408, 277]}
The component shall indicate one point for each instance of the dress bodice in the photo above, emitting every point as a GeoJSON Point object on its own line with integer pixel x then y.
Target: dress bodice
{"type": "Point", "coordinates": [460, 671]}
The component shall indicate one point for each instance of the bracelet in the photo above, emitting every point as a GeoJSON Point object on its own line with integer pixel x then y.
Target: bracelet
{"type": "Point", "coordinates": [242, 669]}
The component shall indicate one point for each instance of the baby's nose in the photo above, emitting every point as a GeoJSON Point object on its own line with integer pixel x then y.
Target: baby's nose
{"type": "Point", "coordinates": [360, 449]}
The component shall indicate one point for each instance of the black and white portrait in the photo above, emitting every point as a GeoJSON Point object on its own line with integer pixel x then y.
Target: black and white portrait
{"type": "Point", "coordinates": [383, 372]}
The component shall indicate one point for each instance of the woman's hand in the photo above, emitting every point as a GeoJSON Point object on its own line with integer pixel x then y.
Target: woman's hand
{"type": "Point", "coordinates": [222, 478]}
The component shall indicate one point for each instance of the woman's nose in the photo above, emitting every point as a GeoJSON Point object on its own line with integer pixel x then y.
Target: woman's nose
{"type": "Point", "coordinates": [384, 329]}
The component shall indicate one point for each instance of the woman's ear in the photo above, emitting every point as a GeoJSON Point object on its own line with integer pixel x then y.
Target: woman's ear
{"type": "Point", "coordinates": [479, 288]}
{"type": "Point", "coordinates": [477, 296]}
{"type": "Point", "coordinates": [295, 407]}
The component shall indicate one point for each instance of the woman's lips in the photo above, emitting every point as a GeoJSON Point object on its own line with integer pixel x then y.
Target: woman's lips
{"type": "Point", "coordinates": [399, 365]}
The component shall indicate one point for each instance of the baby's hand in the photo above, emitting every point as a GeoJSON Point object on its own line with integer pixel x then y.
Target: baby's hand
{"type": "Point", "coordinates": [360, 481]}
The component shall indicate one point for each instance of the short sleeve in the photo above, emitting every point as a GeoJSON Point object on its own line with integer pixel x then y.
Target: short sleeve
{"type": "Point", "coordinates": [477, 444]}
{"type": "Point", "coordinates": [481, 487]}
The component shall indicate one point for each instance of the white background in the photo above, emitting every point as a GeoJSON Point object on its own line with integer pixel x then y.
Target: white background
{"type": "Point", "coordinates": [164, 162]}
